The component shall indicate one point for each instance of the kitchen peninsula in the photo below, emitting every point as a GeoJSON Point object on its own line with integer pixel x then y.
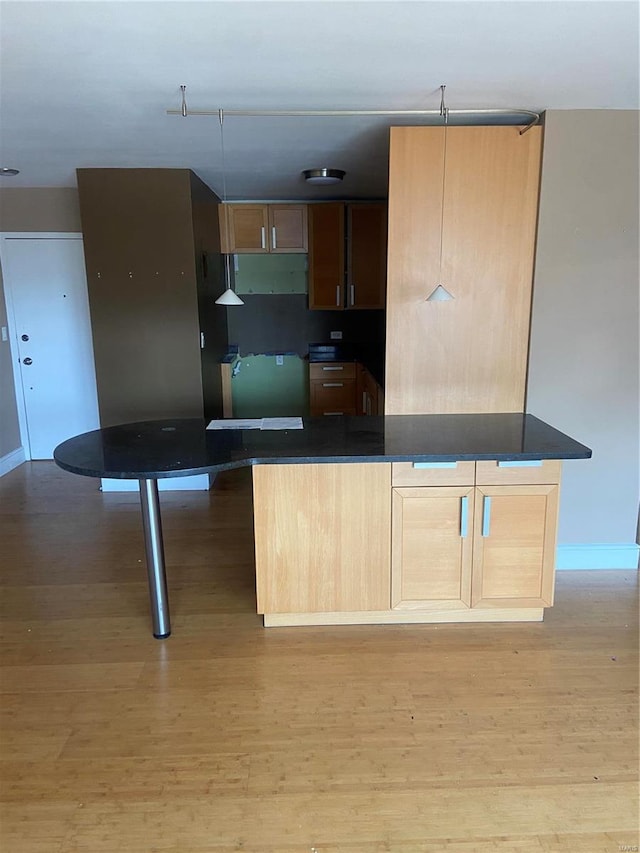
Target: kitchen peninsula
{"type": "Point", "coordinates": [403, 518]}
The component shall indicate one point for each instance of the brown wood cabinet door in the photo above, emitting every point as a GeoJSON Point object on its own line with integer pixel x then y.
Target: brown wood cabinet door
{"type": "Point", "coordinates": [287, 228]}
{"type": "Point", "coordinates": [477, 188]}
{"type": "Point", "coordinates": [248, 224]}
{"type": "Point", "coordinates": [333, 396]}
{"type": "Point", "coordinates": [367, 393]}
{"type": "Point", "coordinates": [514, 546]}
{"type": "Point", "coordinates": [432, 529]}
{"type": "Point", "coordinates": [326, 256]}
{"type": "Point", "coordinates": [370, 394]}
{"type": "Point", "coordinates": [322, 537]}
{"type": "Point", "coordinates": [366, 255]}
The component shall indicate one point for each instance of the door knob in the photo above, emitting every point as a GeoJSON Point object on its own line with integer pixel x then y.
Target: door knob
{"type": "Point", "coordinates": [24, 338]}
{"type": "Point", "coordinates": [27, 361]}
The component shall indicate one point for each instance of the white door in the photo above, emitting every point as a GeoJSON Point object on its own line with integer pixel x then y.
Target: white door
{"type": "Point", "coordinates": [48, 306]}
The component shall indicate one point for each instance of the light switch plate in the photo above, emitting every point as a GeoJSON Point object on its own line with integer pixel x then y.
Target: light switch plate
{"type": "Point", "coordinates": [336, 336]}
{"type": "Point", "coordinates": [5, 337]}
{"type": "Point", "coordinates": [279, 360]}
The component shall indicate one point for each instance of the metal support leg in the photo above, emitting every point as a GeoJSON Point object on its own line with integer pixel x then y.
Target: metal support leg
{"type": "Point", "coordinates": [152, 525]}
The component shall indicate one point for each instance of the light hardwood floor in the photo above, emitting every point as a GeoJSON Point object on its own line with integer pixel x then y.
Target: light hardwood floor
{"type": "Point", "coordinates": [229, 737]}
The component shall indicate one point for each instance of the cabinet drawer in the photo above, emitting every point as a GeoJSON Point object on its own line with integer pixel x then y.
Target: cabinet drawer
{"type": "Point", "coordinates": [432, 473]}
{"type": "Point", "coordinates": [544, 471]}
{"type": "Point", "coordinates": [319, 411]}
{"type": "Point", "coordinates": [328, 371]}
{"type": "Point", "coordinates": [334, 395]}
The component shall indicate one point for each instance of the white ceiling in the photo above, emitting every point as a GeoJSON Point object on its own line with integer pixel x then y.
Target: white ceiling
{"type": "Point", "coordinates": [87, 84]}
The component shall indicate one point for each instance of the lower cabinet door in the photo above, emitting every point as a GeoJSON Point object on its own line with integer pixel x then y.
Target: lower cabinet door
{"type": "Point", "coordinates": [332, 395]}
{"type": "Point", "coordinates": [431, 552]}
{"type": "Point", "coordinates": [322, 537]}
{"type": "Point", "coordinates": [514, 546]}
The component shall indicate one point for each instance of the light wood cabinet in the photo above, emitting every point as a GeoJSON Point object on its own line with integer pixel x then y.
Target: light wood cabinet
{"type": "Point", "coordinates": [488, 546]}
{"type": "Point", "coordinates": [398, 543]}
{"type": "Point", "coordinates": [322, 537]}
{"type": "Point", "coordinates": [264, 228]}
{"type": "Point", "coordinates": [432, 534]}
{"type": "Point", "coordinates": [462, 214]}
{"type": "Point", "coordinates": [347, 256]}
{"type": "Point", "coordinates": [514, 546]}
{"type": "Point", "coordinates": [288, 229]}
{"type": "Point", "coordinates": [332, 388]}
{"type": "Point", "coordinates": [433, 474]}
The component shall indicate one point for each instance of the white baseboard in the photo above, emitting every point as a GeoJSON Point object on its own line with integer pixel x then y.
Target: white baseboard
{"type": "Point", "coordinates": [608, 556]}
{"type": "Point", "coordinates": [198, 482]}
{"type": "Point", "coordinates": [12, 460]}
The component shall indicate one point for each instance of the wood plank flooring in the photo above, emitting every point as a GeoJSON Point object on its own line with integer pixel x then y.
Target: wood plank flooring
{"type": "Point", "coordinates": [232, 737]}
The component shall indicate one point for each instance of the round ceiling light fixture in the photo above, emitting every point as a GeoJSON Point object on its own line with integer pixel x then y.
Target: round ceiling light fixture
{"type": "Point", "coordinates": [323, 176]}
{"type": "Point", "coordinates": [9, 172]}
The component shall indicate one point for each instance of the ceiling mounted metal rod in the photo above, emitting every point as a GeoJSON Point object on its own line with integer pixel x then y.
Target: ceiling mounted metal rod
{"type": "Point", "coordinates": [496, 113]}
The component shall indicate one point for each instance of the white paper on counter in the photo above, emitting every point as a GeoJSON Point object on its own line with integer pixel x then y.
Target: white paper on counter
{"type": "Point", "coordinates": [236, 423]}
{"type": "Point", "coordinates": [256, 423]}
{"type": "Point", "coordinates": [281, 423]}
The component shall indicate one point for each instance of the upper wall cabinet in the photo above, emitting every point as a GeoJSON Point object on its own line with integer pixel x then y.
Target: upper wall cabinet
{"type": "Point", "coordinates": [347, 255]}
{"type": "Point", "coordinates": [264, 228]}
{"type": "Point", "coordinates": [463, 207]}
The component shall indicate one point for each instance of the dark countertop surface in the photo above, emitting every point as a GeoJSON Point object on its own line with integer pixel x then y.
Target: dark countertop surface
{"type": "Point", "coordinates": [178, 448]}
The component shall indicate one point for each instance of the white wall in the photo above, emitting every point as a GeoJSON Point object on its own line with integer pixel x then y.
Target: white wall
{"type": "Point", "coordinates": [583, 372]}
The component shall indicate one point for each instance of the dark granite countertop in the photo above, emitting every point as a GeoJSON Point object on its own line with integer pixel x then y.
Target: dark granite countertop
{"type": "Point", "coordinates": [177, 448]}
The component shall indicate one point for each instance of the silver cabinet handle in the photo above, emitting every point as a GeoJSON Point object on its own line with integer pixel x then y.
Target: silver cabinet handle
{"type": "Point", "coordinates": [333, 413]}
{"type": "Point", "coordinates": [464, 516]}
{"type": "Point", "coordinates": [273, 237]}
{"type": "Point", "coordinates": [333, 368]}
{"type": "Point", "coordinates": [527, 463]}
{"type": "Point", "coordinates": [338, 295]}
{"type": "Point", "coordinates": [435, 464]}
{"type": "Point", "coordinates": [333, 384]}
{"type": "Point", "coordinates": [353, 294]}
{"type": "Point", "coordinates": [486, 515]}
{"type": "Point", "coordinates": [263, 237]}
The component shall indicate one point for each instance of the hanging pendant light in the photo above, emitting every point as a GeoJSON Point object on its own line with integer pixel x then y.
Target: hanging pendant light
{"type": "Point", "coordinates": [229, 297]}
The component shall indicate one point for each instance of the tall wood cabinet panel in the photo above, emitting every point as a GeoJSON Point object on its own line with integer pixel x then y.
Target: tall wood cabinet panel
{"type": "Point", "coordinates": [462, 213]}
{"type": "Point", "coordinates": [322, 537]}
{"type": "Point", "coordinates": [146, 232]}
